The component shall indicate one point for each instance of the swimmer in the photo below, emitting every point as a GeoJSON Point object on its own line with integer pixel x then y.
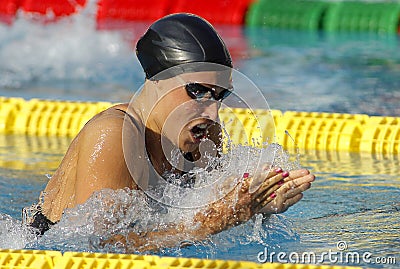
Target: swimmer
{"type": "Point", "coordinates": [95, 159]}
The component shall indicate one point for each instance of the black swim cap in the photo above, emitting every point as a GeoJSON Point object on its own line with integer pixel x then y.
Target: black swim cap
{"type": "Point", "coordinates": [179, 39]}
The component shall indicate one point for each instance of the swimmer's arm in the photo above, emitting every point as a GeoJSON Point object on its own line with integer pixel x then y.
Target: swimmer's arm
{"type": "Point", "coordinates": [171, 236]}
{"type": "Point", "coordinates": [101, 162]}
{"type": "Point", "coordinates": [237, 207]}
{"type": "Point", "coordinates": [221, 215]}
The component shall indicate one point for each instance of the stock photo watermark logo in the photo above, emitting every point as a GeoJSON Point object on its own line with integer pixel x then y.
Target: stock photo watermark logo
{"type": "Point", "coordinates": [188, 99]}
{"type": "Point", "coordinates": [340, 255]}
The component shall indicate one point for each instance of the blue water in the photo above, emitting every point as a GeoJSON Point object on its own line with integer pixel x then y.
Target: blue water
{"type": "Point", "coordinates": [355, 198]}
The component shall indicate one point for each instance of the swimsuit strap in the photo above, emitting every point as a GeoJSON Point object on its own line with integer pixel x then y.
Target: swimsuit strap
{"type": "Point", "coordinates": [132, 118]}
{"type": "Point", "coordinates": [188, 180]}
{"type": "Point", "coordinates": [33, 216]}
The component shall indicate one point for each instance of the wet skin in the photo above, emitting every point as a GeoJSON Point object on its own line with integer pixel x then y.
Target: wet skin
{"type": "Point", "coordinates": [95, 161]}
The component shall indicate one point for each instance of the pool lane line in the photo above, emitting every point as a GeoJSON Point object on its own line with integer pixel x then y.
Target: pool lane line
{"type": "Point", "coordinates": [40, 259]}
{"type": "Point", "coordinates": [307, 130]}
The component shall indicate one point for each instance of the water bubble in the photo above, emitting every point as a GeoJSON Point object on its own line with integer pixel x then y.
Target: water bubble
{"type": "Point", "coordinates": [14, 235]}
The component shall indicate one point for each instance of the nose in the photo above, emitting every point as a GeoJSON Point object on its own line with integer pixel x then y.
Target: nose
{"type": "Point", "coordinates": [210, 110]}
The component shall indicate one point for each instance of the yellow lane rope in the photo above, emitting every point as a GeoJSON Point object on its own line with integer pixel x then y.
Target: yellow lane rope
{"type": "Point", "coordinates": [307, 130]}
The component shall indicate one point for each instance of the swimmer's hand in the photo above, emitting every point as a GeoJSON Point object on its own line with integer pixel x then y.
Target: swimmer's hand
{"type": "Point", "coordinates": [276, 192]}
{"type": "Point", "coordinates": [290, 192]}
{"type": "Point", "coordinates": [243, 202]}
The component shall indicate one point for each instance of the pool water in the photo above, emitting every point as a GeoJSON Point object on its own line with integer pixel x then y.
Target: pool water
{"type": "Point", "coordinates": [355, 199]}
{"type": "Point", "coordinates": [307, 71]}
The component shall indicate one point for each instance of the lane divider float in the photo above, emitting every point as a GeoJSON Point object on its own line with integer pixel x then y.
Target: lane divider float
{"type": "Point", "coordinates": [309, 130]}
{"type": "Point", "coordinates": [313, 15]}
{"type": "Point", "coordinates": [353, 16]}
{"type": "Point", "coordinates": [331, 16]}
{"type": "Point", "coordinates": [289, 14]}
{"type": "Point", "coordinates": [40, 259]}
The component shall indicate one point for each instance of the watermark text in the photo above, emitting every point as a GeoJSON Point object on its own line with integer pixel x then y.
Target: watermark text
{"type": "Point", "coordinates": [340, 255]}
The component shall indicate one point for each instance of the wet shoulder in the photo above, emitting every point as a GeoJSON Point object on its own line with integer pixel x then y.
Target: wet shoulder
{"type": "Point", "coordinates": [112, 117]}
{"type": "Point", "coordinates": [111, 123]}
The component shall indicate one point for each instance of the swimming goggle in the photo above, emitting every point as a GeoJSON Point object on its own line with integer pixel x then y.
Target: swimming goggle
{"type": "Point", "coordinates": [199, 91]}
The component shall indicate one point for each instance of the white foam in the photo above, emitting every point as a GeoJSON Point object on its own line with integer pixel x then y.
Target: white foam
{"type": "Point", "coordinates": [70, 49]}
{"type": "Point", "coordinates": [14, 235]}
{"type": "Point", "coordinates": [109, 212]}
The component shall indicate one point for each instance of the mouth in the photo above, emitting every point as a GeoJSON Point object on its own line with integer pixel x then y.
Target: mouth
{"type": "Point", "coordinates": [199, 131]}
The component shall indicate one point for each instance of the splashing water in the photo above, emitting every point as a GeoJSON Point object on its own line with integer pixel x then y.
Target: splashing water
{"type": "Point", "coordinates": [111, 212]}
{"type": "Point", "coordinates": [69, 55]}
{"type": "Point", "coordinates": [13, 234]}
{"type": "Point", "coordinates": [33, 52]}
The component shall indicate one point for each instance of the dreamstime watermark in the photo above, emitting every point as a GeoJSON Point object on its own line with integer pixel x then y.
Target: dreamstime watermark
{"type": "Point", "coordinates": [341, 255]}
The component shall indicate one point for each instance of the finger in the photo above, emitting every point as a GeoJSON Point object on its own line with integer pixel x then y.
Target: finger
{"type": "Point", "coordinates": [300, 180]}
{"type": "Point", "coordinates": [265, 202]}
{"type": "Point", "coordinates": [291, 197]}
{"type": "Point", "coordinates": [293, 200]}
{"type": "Point", "coordinates": [271, 187]}
{"type": "Point", "coordinates": [268, 196]}
{"type": "Point", "coordinates": [268, 184]}
{"type": "Point", "coordinates": [297, 173]}
{"type": "Point", "coordinates": [274, 206]}
{"type": "Point", "coordinates": [273, 171]}
{"type": "Point", "coordinates": [294, 191]}
{"type": "Point", "coordinates": [262, 202]}
{"type": "Point", "coordinates": [270, 172]}
{"type": "Point", "coordinates": [246, 182]}
{"type": "Point", "coordinates": [260, 178]}
{"type": "Point", "coordinates": [308, 178]}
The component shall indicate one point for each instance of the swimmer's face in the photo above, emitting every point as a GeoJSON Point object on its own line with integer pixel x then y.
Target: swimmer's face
{"type": "Point", "coordinates": [186, 120]}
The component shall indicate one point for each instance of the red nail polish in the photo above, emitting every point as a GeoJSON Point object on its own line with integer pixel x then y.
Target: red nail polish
{"type": "Point", "coordinates": [245, 175]}
{"type": "Point", "coordinates": [273, 195]}
{"type": "Point", "coordinates": [285, 174]}
{"type": "Point", "coordinates": [278, 170]}
{"type": "Point", "coordinates": [280, 183]}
